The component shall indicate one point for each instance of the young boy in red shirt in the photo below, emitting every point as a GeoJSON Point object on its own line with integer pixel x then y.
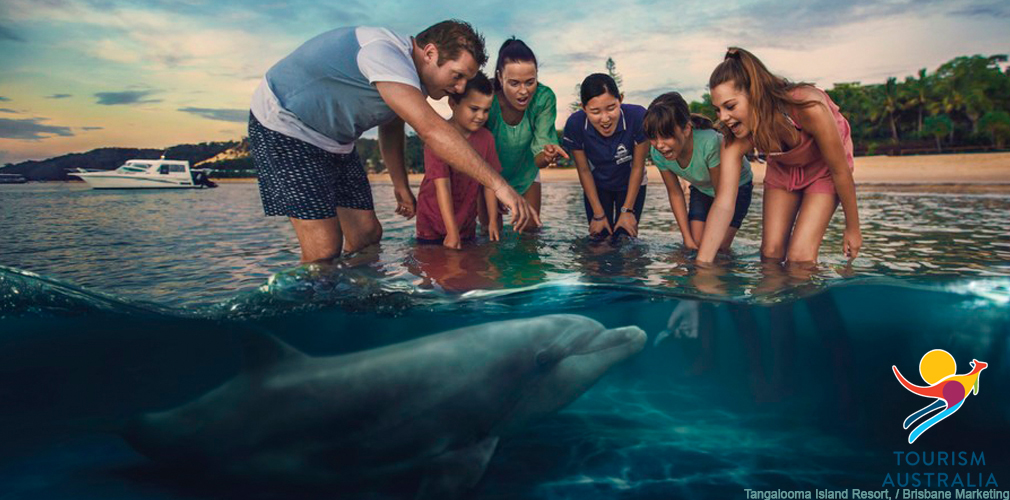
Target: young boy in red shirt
{"type": "Point", "coordinates": [447, 200]}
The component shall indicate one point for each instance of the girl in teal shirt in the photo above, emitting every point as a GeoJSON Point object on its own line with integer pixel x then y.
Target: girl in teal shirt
{"type": "Point", "coordinates": [684, 146]}
{"type": "Point", "coordinates": [522, 122]}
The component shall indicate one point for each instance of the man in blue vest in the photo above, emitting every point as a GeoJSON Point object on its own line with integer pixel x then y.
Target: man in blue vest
{"type": "Point", "coordinates": [313, 105]}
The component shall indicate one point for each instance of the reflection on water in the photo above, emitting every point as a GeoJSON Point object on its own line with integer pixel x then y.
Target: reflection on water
{"type": "Point", "coordinates": [198, 248]}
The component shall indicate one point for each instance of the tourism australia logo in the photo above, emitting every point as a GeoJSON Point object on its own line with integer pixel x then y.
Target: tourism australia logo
{"type": "Point", "coordinates": [948, 389]}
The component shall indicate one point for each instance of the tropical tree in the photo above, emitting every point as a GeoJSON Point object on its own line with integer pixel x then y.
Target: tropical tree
{"type": "Point", "coordinates": [705, 107]}
{"type": "Point", "coordinates": [938, 126]}
{"type": "Point", "coordinates": [855, 103]}
{"type": "Point", "coordinates": [888, 104]}
{"type": "Point", "coordinates": [997, 123]}
{"type": "Point", "coordinates": [967, 82]}
{"type": "Point", "coordinates": [916, 95]}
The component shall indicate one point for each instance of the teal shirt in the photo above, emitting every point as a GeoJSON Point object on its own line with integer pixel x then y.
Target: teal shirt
{"type": "Point", "coordinates": [518, 144]}
{"type": "Point", "coordinates": [704, 157]}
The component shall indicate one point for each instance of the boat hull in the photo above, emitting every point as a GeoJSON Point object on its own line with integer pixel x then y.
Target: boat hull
{"type": "Point", "coordinates": [100, 181]}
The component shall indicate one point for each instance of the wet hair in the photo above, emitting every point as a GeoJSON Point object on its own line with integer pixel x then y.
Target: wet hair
{"type": "Point", "coordinates": [479, 84]}
{"type": "Point", "coordinates": [452, 37]}
{"type": "Point", "coordinates": [513, 50]}
{"type": "Point", "coordinates": [767, 93]}
{"type": "Point", "coordinates": [670, 112]}
{"type": "Point", "coordinates": [596, 85]}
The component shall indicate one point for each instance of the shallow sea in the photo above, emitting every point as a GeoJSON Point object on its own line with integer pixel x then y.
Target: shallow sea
{"type": "Point", "coordinates": [114, 303]}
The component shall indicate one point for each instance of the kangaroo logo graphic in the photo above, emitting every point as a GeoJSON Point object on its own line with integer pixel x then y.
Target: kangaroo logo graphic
{"type": "Point", "coordinates": [939, 370]}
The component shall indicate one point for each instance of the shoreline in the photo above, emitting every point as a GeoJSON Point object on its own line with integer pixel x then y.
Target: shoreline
{"type": "Point", "coordinates": [949, 173]}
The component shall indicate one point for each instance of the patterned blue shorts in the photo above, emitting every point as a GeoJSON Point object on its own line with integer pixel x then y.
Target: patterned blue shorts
{"type": "Point", "coordinates": [303, 181]}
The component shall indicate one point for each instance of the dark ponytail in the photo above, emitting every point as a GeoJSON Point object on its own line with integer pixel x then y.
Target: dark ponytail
{"type": "Point", "coordinates": [513, 50]}
{"type": "Point", "coordinates": [596, 85]}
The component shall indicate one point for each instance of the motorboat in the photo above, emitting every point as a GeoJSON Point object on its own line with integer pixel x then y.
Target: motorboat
{"type": "Point", "coordinates": [147, 174]}
{"type": "Point", "coordinates": [12, 179]}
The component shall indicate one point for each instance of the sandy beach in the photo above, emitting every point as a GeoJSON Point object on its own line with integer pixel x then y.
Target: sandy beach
{"type": "Point", "coordinates": [953, 173]}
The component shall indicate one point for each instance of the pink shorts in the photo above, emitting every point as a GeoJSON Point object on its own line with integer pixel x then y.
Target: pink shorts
{"type": "Point", "coordinates": [814, 178]}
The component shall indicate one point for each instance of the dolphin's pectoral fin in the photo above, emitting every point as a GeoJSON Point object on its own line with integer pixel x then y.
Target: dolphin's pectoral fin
{"type": "Point", "coordinates": [939, 403]}
{"type": "Point", "coordinates": [453, 472]}
{"type": "Point", "coordinates": [261, 350]}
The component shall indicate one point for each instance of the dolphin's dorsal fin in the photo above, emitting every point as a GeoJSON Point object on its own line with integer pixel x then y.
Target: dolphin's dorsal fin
{"type": "Point", "coordinates": [261, 350]}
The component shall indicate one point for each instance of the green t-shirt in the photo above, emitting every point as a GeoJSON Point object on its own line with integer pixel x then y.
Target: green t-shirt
{"type": "Point", "coordinates": [518, 144]}
{"type": "Point", "coordinates": [704, 157]}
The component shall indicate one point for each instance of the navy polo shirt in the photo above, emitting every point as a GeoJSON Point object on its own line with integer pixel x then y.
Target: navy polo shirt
{"type": "Point", "coordinates": [609, 157]}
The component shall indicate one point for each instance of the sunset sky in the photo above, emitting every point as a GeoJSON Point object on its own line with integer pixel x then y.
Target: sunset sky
{"type": "Point", "coordinates": [81, 74]}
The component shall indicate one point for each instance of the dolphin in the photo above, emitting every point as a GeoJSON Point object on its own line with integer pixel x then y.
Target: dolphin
{"type": "Point", "coordinates": [434, 406]}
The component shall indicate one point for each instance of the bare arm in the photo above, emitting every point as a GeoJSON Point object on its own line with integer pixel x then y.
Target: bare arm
{"type": "Point", "coordinates": [493, 225]}
{"type": "Point", "coordinates": [721, 213]}
{"type": "Point", "coordinates": [409, 104]}
{"type": "Point", "coordinates": [589, 186]}
{"type": "Point", "coordinates": [678, 206]}
{"type": "Point", "coordinates": [628, 220]}
{"type": "Point", "coordinates": [391, 146]}
{"type": "Point", "coordinates": [819, 122]}
{"type": "Point", "coordinates": [443, 192]}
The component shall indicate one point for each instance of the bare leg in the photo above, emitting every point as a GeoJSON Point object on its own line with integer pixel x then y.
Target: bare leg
{"type": "Point", "coordinates": [697, 230]}
{"type": "Point", "coordinates": [780, 207]}
{"type": "Point", "coordinates": [361, 228]}
{"type": "Point", "coordinates": [320, 239]}
{"type": "Point", "coordinates": [815, 214]}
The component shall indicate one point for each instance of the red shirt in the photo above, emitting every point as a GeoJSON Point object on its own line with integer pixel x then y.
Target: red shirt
{"type": "Point", "coordinates": [465, 191]}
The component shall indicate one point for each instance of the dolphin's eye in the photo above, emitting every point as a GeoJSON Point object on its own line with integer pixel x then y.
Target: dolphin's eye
{"type": "Point", "coordinates": [544, 358]}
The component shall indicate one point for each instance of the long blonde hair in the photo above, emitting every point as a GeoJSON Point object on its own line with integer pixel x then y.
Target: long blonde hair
{"type": "Point", "coordinates": [769, 97]}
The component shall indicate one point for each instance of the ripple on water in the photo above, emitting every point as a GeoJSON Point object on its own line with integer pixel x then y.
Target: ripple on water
{"type": "Point", "coordinates": [192, 249]}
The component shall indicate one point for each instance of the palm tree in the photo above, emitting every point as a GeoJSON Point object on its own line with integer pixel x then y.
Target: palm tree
{"type": "Point", "coordinates": [917, 95]}
{"type": "Point", "coordinates": [890, 104]}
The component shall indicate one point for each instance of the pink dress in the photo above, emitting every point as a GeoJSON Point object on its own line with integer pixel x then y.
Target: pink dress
{"type": "Point", "coordinates": [804, 168]}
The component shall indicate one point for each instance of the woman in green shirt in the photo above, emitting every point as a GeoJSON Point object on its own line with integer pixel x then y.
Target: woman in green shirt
{"type": "Point", "coordinates": [522, 121]}
{"type": "Point", "coordinates": [684, 146]}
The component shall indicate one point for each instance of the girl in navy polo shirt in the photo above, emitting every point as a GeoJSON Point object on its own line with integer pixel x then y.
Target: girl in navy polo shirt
{"type": "Point", "coordinates": [608, 144]}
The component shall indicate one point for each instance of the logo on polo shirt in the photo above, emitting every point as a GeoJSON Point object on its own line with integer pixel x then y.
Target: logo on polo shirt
{"type": "Point", "coordinates": [622, 155]}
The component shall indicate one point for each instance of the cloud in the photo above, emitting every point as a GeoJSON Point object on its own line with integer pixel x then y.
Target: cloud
{"type": "Point", "coordinates": [8, 34]}
{"type": "Point", "coordinates": [997, 10]}
{"type": "Point", "coordinates": [59, 96]}
{"type": "Point", "coordinates": [126, 97]}
{"type": "Point", "coordinates": [92, 128]}
{"type": "Point", "coordinates": [225, 115]}
{"type": "Point", "coordinates": [30, 129]}
{"type": "Point", "coordinates": [8, 110]}
{"type": "Point", "coordinates": [2, 98]}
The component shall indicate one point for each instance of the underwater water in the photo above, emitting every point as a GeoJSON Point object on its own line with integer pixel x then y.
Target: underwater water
{"type": "Point", "coordinates": [114, 304]}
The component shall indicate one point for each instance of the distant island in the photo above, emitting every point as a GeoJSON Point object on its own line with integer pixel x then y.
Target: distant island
{"type": "Point", "coordinates": [228, 159]}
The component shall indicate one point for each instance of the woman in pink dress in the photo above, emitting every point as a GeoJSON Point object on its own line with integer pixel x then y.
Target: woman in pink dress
{"type": "Point", "coordinates": [809, 149]}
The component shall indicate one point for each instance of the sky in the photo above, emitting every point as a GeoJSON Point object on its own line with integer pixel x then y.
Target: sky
{"type": "Point", "coordinates": [82, 74]}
